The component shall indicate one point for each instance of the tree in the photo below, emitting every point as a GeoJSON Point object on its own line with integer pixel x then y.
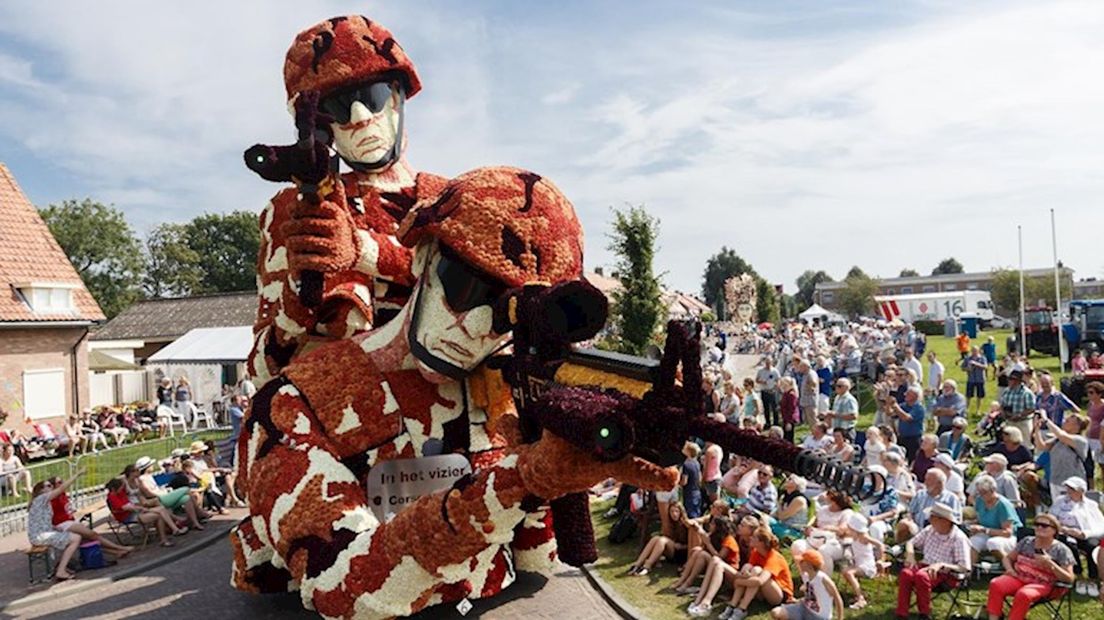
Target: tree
{"type": "Point", "coordinates": [947, 265]}
{"type": "Point", "coordinates": [806, 286]}
{"type": "Point", "coordinates": [1005, 290]}
{"type": "Point", "coordinates": [857, 295]}
{"type": "Point", "coordinates": [789, 306]}
{"type": "Point", "coordinates": [638, 307]}
{"type": "Point", "coordinates": [172, 267]}
{"type": "Point", "coordinates": [855, 271]}
{"type": "Point", "coordinates": [767, 307]}
{"type": "Point", "coordinates": [720, 267]}
{"type": "Point", "coordinates": [227, 246]}
{"type": "Point", "coordinates": [909, 273]}
{"type": "Point", "coordinates": [102, 248]}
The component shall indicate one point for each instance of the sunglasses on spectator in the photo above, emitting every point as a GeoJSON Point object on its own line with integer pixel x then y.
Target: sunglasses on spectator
{"type": "Point", "coordinates": [1042, 525]}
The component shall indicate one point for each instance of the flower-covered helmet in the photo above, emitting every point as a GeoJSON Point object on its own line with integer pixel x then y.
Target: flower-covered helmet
{"type": "Point", "coordinates": [342, 51]}
{"type": "Point", "coordinates": [510, 224]}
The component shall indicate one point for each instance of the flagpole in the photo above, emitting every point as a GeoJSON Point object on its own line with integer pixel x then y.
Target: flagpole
{"type": "Point", "coordinates": [1023, 324]}
{"type": "Point", "coordinates": [1057, 296]}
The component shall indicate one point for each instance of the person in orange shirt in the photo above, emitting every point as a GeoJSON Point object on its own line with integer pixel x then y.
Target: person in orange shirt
{"type": "Point", "coordinates": [963, 343]}
{"type": "Point", "coordinates": [721, 569]}
{"type": "Point", "coordinates": [766, 576]}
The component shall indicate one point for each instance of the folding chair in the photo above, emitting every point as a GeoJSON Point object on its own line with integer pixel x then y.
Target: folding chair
{"type": "Point", "coordinates": [134, 530]}
{"type": "Point", "coordinates": [167, 415]}
{"type": "Point", "coordinates": [1055, 604]}
{"type": "Point", "coordinates": [958, 595]}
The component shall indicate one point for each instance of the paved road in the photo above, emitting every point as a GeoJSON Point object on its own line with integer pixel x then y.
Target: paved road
{"type": "Point", "coordinates": [197, 586]}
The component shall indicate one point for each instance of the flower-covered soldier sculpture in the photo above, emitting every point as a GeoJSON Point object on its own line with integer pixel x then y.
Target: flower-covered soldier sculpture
{"type": "Point", "coordinates": [331, 268]}
{"type": "Point", "coordinates": [410, 389]}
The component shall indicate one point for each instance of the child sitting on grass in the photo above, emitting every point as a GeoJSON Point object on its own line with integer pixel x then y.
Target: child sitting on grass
{"type": "Point", "coordinates": [822, 599]}
{"type": "Point", "coordinates": [865, 552]}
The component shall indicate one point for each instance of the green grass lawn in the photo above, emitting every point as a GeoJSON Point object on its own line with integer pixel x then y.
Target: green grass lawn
{"type": "Point", "coordinates": [648, 595]}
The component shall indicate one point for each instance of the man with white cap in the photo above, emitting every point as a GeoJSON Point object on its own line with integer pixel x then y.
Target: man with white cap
{"type": "Point", "coordinates": [955, 484]}
{"type": "Point", "coordinates": [946, 552]}
{"type": "Point", "coordinates": [996, 466]}
{"type": "Point", "coordinates": [1082, 525]}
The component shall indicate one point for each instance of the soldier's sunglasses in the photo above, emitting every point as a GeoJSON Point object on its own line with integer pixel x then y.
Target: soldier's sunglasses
{"type": "Point", "coordinates": [465, 286]}
{"type": "Point", "coordinates": [374, 96]}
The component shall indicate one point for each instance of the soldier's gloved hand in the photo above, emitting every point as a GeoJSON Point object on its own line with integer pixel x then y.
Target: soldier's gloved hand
{"type": "Point", "coordinates": [552, 468]}
{"type": "Point", "coordinates": [320, 237]}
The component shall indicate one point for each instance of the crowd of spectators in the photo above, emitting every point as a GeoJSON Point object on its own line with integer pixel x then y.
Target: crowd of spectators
{"type": "Point", "coordinates": [1013, 506]}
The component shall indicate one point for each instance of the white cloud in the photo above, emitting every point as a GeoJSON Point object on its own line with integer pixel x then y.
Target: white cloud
{"type": "Point", "coordinates": [821, 140]}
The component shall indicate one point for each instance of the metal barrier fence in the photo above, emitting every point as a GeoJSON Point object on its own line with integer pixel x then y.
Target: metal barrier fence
{"type": "Point", "coordinates": [96, 469]}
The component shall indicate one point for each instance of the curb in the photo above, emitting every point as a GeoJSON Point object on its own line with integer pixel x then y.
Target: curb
{"type": "Point", "coordinates": [88, 584]}
{"type": "Point", "coordinates": [620, 605]}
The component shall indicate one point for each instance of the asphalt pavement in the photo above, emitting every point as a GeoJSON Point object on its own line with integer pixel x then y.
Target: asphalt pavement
{"type": "Point", "coordinates": [198, 586]}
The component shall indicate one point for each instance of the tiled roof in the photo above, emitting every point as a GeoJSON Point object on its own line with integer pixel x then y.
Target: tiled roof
{"type": "Point", "coordinates": [29, 253]}
{"type": "Point", "coordinates": [168, 319]}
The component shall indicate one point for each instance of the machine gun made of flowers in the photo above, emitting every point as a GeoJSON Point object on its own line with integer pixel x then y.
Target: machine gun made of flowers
{"type": "Point", "coordinates": [583, 396]}
{"type": "Point", "coordinates": [310, 164]}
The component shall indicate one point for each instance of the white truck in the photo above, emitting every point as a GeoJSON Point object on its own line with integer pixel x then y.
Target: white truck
{"type": "Point", "coordinates": [936, 306]}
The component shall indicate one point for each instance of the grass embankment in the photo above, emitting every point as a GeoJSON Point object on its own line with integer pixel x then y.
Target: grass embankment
{"type": "Point", "coordinates": [647, 593]}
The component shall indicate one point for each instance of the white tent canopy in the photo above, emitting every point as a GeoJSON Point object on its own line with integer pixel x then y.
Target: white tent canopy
{"type": "Point", "coordinates": [814, 311]}
{"type": "Point", "coordinates": [208, 345]}
{"type": "Point", "coordinates": [817, 312]}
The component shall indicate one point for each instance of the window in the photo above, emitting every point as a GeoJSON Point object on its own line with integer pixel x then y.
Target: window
{"type": "Point", "coordinates": [890, 291]}
{"type": "Point", "coordinates": [47, 298]}
{"type": "Point", "coordinates": [929, 288]}
{"type": "Point", "coordinates": [827, 296]}
{"type": "Point", "coordinates": [950, 287]}
{"type": "Point", "coordinates": [44, 393]}
{"type": "Point", "coordinates": [906, 290]}
{"type": "Point", "coordinates": [971, 286]}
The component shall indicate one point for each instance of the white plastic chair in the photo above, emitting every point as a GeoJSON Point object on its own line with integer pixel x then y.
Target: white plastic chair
{"type": "Point", "coordinates": [166, 415]}
{"type": "Point", "coordinates": [200, 414]}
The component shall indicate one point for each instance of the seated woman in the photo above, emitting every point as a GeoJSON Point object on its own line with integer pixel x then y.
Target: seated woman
{"type": "Point", "coordinates": [766, 576]}
{"type": "Point", "coordinates": [660, 546]}
{"type": "Point", "coordinates": [1031, 570]}
{"type": "Point", "coordinates": [175, 499]}
{"type": "Point", "coordinates": [881, 509]}
{"type": "Point", "coordinates": [742, 474]}
{"type": "Point", "coordinates": [721, 541]}
{"type": "Point", "coordinates": [792, 514]}
{"type": "Point", "coordinates": [898, 476]}
{"type": "Point", "coordinates": [203, 487]}
{"type": "Point", "coordinates": [15, 475]}
{"type": "Point", "coordinates": [997, 521]}
{"type": "Point", "coordinates": [840, 447]}
{"type": "Point", "coordinates": [874, 447]}
{"type": "Point", "coordinates": [110, 426]}
{"type": "Point", "coordinates": [206, 460]}
{"type": "Point", "coordinates": [827, 529]}
{"type": "Point", "coordinates": [64, 519]}
{"type": "Point", "coordinates": [718, 569]}
{"type": "Point", "coordinates": [124, 509]}
{"type": "Point", "coordinates": [40, 530]}
{"type": "Point", "coordinates": [77, 439]}
{"type": "Point", "coordinates": [91, 431]}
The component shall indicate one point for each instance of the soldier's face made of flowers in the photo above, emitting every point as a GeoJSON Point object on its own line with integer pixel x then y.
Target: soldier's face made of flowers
{"type": "Point", "coordinates": [456, 316]}
{"type": "Point", "coordinates": [367, 124]}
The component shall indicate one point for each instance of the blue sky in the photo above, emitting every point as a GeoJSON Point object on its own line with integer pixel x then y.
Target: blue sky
{"type": "Point", "coordinates": [802, 134]}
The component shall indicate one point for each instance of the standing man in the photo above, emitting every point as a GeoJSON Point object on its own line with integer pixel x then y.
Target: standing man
{"type": "Point", "coordinates": [1018, 403]}
{"type": "Point", "coordinates": [935, 375]}
{"type": "Point", "coordinates": [910, 422]}
{"type": "Point", "coordinates": [845, 409]}
{"type": "Point", "coordinates": [948, 405]}
{"type": "Point", "coordinates": [914, 365]}
{"type": "Point", "coordinates": [975, 365]}
{"type": "Point", "coordinates": [810, 390]}
{"type": "Point", "coordinates": [1053, 402]}
{"type": "Point", "coordinates": [767, 381]}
